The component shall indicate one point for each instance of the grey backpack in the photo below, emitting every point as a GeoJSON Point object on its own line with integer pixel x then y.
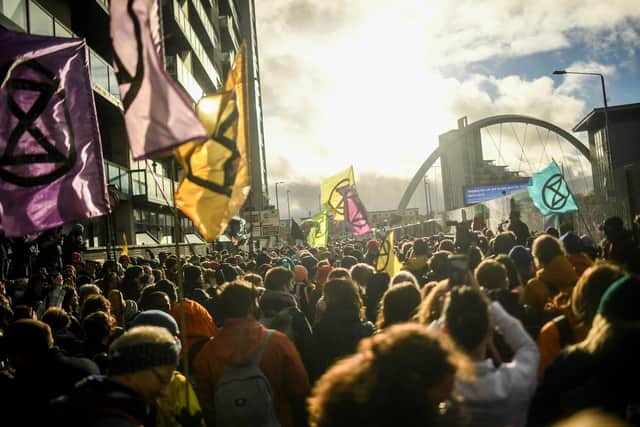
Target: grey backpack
{"type": "Point", "coordinates": [243, 397]}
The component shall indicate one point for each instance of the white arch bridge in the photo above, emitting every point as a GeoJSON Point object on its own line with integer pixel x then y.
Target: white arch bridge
{"type": "Point", "coordinates": [553, 133]}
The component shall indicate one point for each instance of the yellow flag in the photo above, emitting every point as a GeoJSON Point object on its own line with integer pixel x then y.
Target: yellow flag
{"type": "Point", "coordinates": [125, 247]}
{"type": "Point", "coordinates": [216, 179]}
{"type": "Point", "coordinates": [387, 259]}
{"type": "Point", "coordinates": [319, 231]}
{"type": "Point", "coordinates": [332, 200]}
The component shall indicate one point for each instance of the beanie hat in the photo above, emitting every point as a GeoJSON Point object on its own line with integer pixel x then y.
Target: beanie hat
{"type": "Point", "coordinates": [141, 356]}
{"type": "Point", "coordinates": [157, 318]}
{"type": "Point", "coordinates": [619, 302]}
{"type": "Point", "coordinates": [521, 256]}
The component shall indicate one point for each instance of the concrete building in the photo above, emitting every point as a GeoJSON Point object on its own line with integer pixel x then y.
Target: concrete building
{"type": "Point", "coordinates": [463, 165]}
{"type": "Point", "coordinates": [201, 38]}
{"type": "Point", "coordinates": [615, 163]}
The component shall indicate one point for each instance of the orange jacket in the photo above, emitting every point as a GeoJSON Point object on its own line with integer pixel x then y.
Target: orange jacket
{"type": "Point", "coordinates": [549, 339]}
{"type": "Point", "coordinates": [199, 324]}
{"type": "Point", "coordinates": [237, 343]}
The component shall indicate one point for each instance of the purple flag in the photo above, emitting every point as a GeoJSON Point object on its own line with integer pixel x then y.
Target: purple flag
{"type": "Point", "coordinates": [157, 114]}
{"type": "Point", "coordinates": [356, 214]}
{"type": "Point", "coordinates": [51, 169]}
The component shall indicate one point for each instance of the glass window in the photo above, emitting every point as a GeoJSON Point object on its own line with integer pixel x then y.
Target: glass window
{"type": "Point", "coordinates": [16, 10]}
{"type": "Point", "coordinates": [114, 89]}
{"type": "Point", "coordinates": [99, 70]}
{"type": "Point", "coordinates": [61, 30]}
{"type": "Point", "coordinates": [40, 22]}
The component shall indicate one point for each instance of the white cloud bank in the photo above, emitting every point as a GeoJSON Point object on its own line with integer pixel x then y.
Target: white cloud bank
{"type": "Point", "coordinates": [362, 82]}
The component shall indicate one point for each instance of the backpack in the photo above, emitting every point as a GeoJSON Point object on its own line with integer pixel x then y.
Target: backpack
{"type": "Point", "coordinates": [280, 321]}
{"type": "Point", "coordinates": [243, 397]}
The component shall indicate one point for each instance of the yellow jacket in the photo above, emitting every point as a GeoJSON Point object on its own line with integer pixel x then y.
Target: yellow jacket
{"type": "Point", "coordinates": [171, 407]}
{"type": "Point", "coordinates": [559, 274]}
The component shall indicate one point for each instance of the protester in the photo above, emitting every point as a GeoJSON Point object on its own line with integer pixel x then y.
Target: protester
{"type": "Point", "coordinates": [141, 366]}
{"type": "Point", "coordinates": [401, 377]}
{"type": "Point", "coordinates": [239, 342]}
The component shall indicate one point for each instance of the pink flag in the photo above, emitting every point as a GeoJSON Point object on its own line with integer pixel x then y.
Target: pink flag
{"type": "Point", "coordinates": [157, 114]}
{"type": "Point", "coordinates": [356, 214]}
{"type": "Point", "coordinates": [51, 169]}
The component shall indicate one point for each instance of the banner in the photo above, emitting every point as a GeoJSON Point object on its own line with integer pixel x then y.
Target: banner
{"type": "Point", "coordinates": [216, 178]}
{"type": "Point", "coordinates": [332, 200]}
{"type": "Point", "coordinates": [51, 167]}
{"type": "Point", "coordinates": [319, 232]}
{"type": "Point", "coordinates": [356, 215]}
{"type": "Point", "coordinates": [296, 231]}
{"type": "Point", "coordinates": [387, 259]}
{"type": "Point", "coordinates": [157, 114]}
{"type": "Point", "coordinates": [550, 193]}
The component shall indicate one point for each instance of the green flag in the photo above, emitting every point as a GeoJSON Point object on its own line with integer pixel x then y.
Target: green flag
{"type": "Point", "coordinates": [318, 233]}
{"type": "Point", "coordinates": [550, 193]}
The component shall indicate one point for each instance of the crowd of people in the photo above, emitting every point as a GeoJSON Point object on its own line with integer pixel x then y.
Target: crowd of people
{"type": "Point", "coordinates": [483, 328]}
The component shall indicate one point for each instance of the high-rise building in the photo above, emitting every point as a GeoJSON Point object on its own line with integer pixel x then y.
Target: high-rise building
{"type": "Point", "coordinates": [200, 40]}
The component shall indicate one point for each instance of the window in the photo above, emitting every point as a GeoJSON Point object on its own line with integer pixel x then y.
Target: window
{"type": "Point", "coordinates": [99, 70]}
{"type": "Point", "coordinates": [16, 10]}
{"type": "Point", "coordinates": [40, 22]}
{"type": "Point", "coordinates": [61, 30]}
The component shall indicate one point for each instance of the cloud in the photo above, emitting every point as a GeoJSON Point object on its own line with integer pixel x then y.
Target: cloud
{"type": "Point", "coordinates": [364, 82]}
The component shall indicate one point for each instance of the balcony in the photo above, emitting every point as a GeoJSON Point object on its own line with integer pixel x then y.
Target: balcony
{"type": "Point", "coordinates": [119, 177]}
{"type": "Point", "coordinates": [187, 81]}
{"type": "Point", "coordinates": [103, 79]}
{"type": "Point", "coordinates": [185, 27]}
{"type": "Point", "coordinates": [145, 187]}
{"type": "Point", "coordinates": [206, 23]}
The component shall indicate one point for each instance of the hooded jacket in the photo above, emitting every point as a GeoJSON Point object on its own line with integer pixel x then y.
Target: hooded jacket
{"type": "Point", "coordinates": [557, 276]}
{"type": "Point", "coordinates": [199, 324]}
{"type": "Point", "coordinates": [98, 401]}
{"type": "Point", "coordinates": [238, 343]}
{"type": "Point", "coordinates": [283, 305]}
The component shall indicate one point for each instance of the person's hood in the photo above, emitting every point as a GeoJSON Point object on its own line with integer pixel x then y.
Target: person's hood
{"type": "Point", "coordinates": [239, 340]}
{"type": "Point", "coordinates": [275, 301]}
{"type": "Point", "coordinates": [559, 272]}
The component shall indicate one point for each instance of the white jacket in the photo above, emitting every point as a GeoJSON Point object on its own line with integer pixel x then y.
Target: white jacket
{"type": "Point", "coordinates": [501, 395]}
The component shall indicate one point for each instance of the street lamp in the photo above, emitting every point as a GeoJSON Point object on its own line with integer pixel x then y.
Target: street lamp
{"type": "Point", "coordinates": [277, 200]}
{"type": "Point", "coordinates": [288, 207]}
{"type": "Point", "coordinates": [606, 120]}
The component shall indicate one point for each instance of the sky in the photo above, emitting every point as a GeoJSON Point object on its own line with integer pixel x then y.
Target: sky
{"type": "Point", "coordinates": [372, 83]}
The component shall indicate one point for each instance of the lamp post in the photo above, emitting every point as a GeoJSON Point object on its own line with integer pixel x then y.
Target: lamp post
{"type": "Point", "coordinates": [288, 207]}
{"type": "Point", "coordinates": [277, 200]}
{"type": "Point", "coordinates": [610, 181]}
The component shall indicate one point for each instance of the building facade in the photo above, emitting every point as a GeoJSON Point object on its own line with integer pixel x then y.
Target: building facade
{"type": "Point", "coordinates": [200, 40]}
{"type": "Point", "coordinates": [616, 162]}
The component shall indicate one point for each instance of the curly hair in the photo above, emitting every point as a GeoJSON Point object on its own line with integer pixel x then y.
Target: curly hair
{"type": "Point", "coordinates": [394, 379]}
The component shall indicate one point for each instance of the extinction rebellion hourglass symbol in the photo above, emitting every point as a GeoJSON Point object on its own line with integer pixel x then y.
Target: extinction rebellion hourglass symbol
{"type": "Point", "coordinates": [35, 98]}
{"type": "Point", "coordinates": [339, 207]}
{"type": "Point", "coordinates": [554, 193]}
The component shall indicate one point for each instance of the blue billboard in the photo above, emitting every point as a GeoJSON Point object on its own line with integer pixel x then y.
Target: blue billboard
{"type": "Point", "coordinates": [482, 193]}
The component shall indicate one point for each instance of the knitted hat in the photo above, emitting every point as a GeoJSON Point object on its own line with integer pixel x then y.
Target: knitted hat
{"type": "Point", "coordinates": [157, 318]}
{"type": "Point", "coordinates": [521, 256]}
{"type": "Point", "coordinates": [620, 301]}
{"type": "Point", "coordinates": [141, 356]}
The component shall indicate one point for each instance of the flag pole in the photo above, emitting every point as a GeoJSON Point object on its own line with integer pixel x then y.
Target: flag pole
{"type": "Point", "coordinates": [180, 284]}
{"type": "Point", "coordinates": [584, 221]}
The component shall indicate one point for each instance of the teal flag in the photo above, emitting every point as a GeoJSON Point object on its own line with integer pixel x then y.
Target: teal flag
{"type": "Point", "coordinates": [550, 193]}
